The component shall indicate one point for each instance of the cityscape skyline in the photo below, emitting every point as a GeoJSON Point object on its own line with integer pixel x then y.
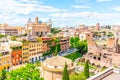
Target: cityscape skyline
{"type": "Point", "coordinates": [71, 13]}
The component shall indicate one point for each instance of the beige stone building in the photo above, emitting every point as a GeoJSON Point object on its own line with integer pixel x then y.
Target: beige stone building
{"type": "Point", "coordinates": [106, 55]}
{"type": "Point", "coordinates": [85, 36]}
{"type": "Point", "coordinates": [38, 28]}
{"type": "Point", "coordinates": [52, 68]}
{"type": "Point", "coordinates": [108, 74]}
{"type": "Point", "coordinates": [64, 44]}
{"type": "Point", "coordinates": [35, 51]}
{"type": "Point", "coordinates": [32, 51]}
{"type": "Point", "coordinates": [5, 29]}
{"type": "Point", "coordinates": [5, 58]}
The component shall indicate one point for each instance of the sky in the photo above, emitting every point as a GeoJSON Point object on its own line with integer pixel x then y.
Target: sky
{"type": "Point", "coordinates": [62, 12]}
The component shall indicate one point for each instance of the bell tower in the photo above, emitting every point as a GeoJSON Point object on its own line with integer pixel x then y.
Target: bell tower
{"type": "Point", "coordinates": [36, 20]}
{"type": "Point", "coordinates": [97, 27]}
{"type": "Point", "coordinates": [50, 22]}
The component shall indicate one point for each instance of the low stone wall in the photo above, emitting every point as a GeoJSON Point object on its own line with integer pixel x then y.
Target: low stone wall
{"type": "Point", "coordinates": [102, 75]}
{"type": "Point", "coordinates": [116, 70]}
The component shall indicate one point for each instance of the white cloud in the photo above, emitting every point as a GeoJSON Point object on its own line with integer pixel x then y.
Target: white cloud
{"type": "Point", "coordinates": [10, 10]}
{"type": "Point", "coordinates": [68, 15]}
{"type": "Point", "coordinates": [21, 8]}
{"type": "Point", "coordinates": [78, 6]}
{"type": "Point", "coordinates": [82, 17]}
{"type": "Point", "coordinates": [104, 0]}
{"type": "Point", "coordinates": [44, 8]}
{"type": "Point", "coordinates": [116, 8]}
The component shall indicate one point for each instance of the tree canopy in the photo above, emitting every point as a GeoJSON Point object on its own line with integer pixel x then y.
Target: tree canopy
{"type": "Point", "coordinates": [74, 41]}
{"type": "Point", "coordinates": [3, 75]}
{"type": "Point", "coordinates": [53, 49]}
{"type": "Point", "coordinates": [82, 46]}
{"type": "Point", "coordinates": [29, 72]}
{"type": "Point", "coordinates": [1, 35]}
{"type": "Point", "coordinates": [55, 30]}
{"type": "Point", "coordinates": [110, 34]}
{"type": "Point", "coordinates": [13, 38]}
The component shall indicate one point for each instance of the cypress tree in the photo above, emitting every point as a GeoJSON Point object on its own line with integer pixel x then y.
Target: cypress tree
{"type": "Point", "coordinates": [56, 51]}
{"type": "Point", "coordinates": [65, 75]}
{"type": "Point", "coordinates": [86, 69]}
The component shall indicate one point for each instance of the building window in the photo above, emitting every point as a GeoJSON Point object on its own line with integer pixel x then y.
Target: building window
{"type": "Point", "coordinates": [32, 59]}
{"type": "Point", "coordinates": [8, 67]}
{"type": "Point", "coordinates": [36, 58]}
{"type": "Point", "coordinates": [37, 33]}
{"type": "Point", "coordinates": [94, 57]}
{"type": "Point", "coordinates": [99, 58]}
{"type": "Point", "coordinates": [55, 66]}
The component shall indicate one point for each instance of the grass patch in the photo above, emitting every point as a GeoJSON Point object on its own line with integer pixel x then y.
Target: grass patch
{"type": "Point", "coordinates": [73, 56]}
{"type": "Point", "coordinates": [92, 74]}
{"type": "Point", "coordinates": [75, 76]}
{"type": "Point", "coordinates": [115, 66]}
{"type": "Point", "coordinates": [92, 67]}
{"type": "Point", "coordinates": [104, 68]}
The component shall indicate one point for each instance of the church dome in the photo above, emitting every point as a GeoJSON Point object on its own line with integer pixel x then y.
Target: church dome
{"type": "Point", "coordinates": [57, 63]}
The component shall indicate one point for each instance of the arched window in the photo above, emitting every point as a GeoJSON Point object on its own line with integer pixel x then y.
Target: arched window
{"type": "Point", "coordinates": [94, 57]}
{"type": "Point", "coordinates": [99, 58]}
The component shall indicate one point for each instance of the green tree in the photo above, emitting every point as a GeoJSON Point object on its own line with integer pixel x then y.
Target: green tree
{"type": "Point", "coordinates": [56, 51]}
{"type": "Point", "coordinates": [56, 47]}
{"type": "Point", "coordinates": [65, 75]}
{"type": "Point", "coordinates": [13, 38]}
{"type": "Point", "coordinates": [29, 72]}
{"type": "Point", "coordinates": [82, 47]}
{"type": "Point", "coordinates": [3, 75]}
{"type": "Point", "coordinates": [96, 34]}
{"type": "Point", "coordinates": [110, 34]}
{"type": "Point", "coordinates": [1, 35]}
{"type": "Point", "coordinates": [58, 44]}
{"type": "Point", "coordinates": [74, 41]}
{"type": "Point", "coordinates": [55, 30]}
{"type": "Point", "coordinates": [86, 69]}
{"type": "Point", "coordinates": [53, 49]}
